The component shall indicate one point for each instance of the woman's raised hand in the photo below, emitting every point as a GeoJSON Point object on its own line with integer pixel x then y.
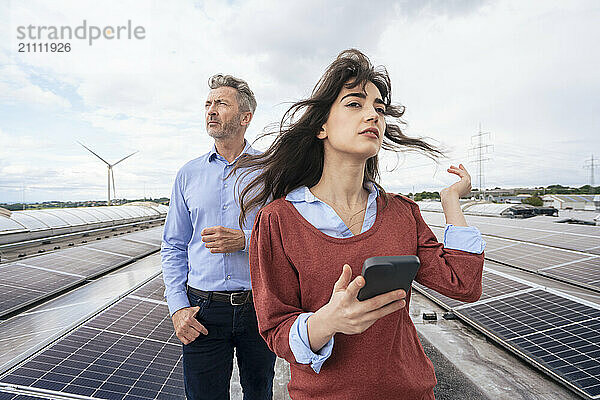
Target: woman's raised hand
{"type": "Point", "coordinates": [460, 188]}
{"type": "Point", "coordinates": [346, 314]}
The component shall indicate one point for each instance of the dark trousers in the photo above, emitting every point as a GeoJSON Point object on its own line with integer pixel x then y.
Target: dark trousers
{"type": "Point", "coordinates": [208, 360]}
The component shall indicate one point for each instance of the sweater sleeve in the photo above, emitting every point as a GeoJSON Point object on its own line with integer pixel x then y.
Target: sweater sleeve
{"type": "Point", "coordinates": [453, 273]}
{"type": "Point", "coordinates": [275, 285]}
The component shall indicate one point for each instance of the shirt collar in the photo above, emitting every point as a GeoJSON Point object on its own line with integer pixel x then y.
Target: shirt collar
{"type": "Point", "coordinates": [214, 154]}
{"type": "Point", "coordinates": [303, 194]}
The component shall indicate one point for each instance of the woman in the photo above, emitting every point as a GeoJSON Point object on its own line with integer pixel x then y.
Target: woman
{"type": "Point", "coordinates": [329, 214]}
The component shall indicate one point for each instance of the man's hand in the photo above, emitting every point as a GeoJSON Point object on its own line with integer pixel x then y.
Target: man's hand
{"type": "Point", "coordinates": [187, 327]}
{"type": "Point", "coordinates": [223, 240]}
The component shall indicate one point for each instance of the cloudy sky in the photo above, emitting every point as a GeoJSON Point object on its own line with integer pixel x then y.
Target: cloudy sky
{"type": "Point", "coordinates": [527, 71]}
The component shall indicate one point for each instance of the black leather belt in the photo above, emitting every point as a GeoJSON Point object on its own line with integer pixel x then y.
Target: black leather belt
{"type": "Point", "coordinates": [233, 298]}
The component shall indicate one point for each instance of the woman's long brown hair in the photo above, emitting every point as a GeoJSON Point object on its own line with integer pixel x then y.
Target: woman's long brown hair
{"type": "Point", "coordinates": [295, 158]}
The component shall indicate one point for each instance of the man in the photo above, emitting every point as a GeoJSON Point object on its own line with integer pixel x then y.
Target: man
{"type": "Point", "coordinates": [211, 300]}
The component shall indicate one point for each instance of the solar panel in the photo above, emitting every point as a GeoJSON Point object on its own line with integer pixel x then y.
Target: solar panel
{"type": "Point", "coordinates": [571, 237]}
{"type": "Point", "coordinates": [517, 233]}
{"type": "Point", "coordinates": [527, 313]}
{"type": "Point", "coordinates": [532, 257]}
{"type": "Point", "coordinates": [124, 247]}
{"type": "Point", "coordinates": [572, 351]}
{"type": "Point", "coordinates": [127, 352]}
{"type": "Point", "coordinates": [556, 333]}
{"type": "Point", "coordinates": [595, 250]}
{"type": "Point", "coordinates": [10, 396]}
{"type": "Point", "coordinates": [21, 285]}
{"type": "Point", "coordinates": [586, 272]}
{"type": "Point", "coordinates": [154, 289]}
{"type": "Point", "coordinates": [138, 318]}
{"type": "Point", "coordinates": [15, 344]}
{"type": "Point", "coordinates": [82, 261]}
{"type": "Point", "coordinates": [152, 236]}
{"type": "Point", "coordinates": [35, 278]}
{"type": "Point", "coordinates": [582, 243]}
{"type": "Point", "coordinates": [548, 257]}
{"type": "Point", "coordinates": [98, 257]}
{"type": "Point", "coordinates": [105, 365]}
{"type": "Point", "coordinates": [516, 255]}
{"type": "Point", "coordinates": [494, 244]}
{"type": "Point", "coordinates": [570, 266]}
{"type": "Point", "coordinates": [492, 283]}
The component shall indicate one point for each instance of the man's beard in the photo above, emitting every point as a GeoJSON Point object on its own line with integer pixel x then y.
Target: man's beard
{"type": "Point", "coordinates": [228, 128]}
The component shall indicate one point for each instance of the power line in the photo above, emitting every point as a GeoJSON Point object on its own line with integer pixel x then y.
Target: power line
{"type": "Point", "coordinates": [479, 149]}
{"type": "Point", "coordinates": [591, 166]}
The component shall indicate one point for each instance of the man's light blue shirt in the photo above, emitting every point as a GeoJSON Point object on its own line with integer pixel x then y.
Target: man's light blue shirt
{"type": "Point", "coordinates": [325, 219]}
{"type": "Point", "coordinates": [203, 197]}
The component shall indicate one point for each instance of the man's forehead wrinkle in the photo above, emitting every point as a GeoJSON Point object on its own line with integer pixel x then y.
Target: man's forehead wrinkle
{"type": "Point", "coordinates": [224, 96]}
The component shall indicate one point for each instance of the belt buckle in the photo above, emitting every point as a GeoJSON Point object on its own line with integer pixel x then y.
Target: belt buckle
{"type": "Point", "coordinates": [237, 304]}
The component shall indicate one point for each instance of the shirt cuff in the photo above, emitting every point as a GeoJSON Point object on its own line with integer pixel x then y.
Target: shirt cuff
{"type": "Point", "coordinates": [300, 346]}
{"type": "Point", "coordinates": [247, 234]}
{"type": "Point", "coordinates": [464, 238]}
{"type": "Point", "coordinates": [176, 301]}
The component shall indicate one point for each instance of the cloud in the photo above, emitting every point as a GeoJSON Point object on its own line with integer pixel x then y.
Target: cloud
{"type": "Point", "coordinates": [17, 89]}
{"type": "Point", "coordinates": [526, 71]}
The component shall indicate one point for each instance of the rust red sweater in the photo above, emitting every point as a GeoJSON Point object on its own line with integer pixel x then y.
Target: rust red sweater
{"type": "Point", "coordinates": [294, 266]}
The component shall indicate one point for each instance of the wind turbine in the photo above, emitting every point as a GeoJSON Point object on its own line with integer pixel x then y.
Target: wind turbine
{"type": "Point", "coordinates": [111, 175]}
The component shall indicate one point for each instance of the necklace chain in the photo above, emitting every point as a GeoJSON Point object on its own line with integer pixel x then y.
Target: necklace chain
{"type": "Point", "coordinates": [350, 215]}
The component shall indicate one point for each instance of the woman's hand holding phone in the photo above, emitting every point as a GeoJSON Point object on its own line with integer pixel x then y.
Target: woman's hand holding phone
{"type": "Point", "coordinates": [346, 314]}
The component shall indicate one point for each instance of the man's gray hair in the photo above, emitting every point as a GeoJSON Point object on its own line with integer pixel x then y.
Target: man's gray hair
{"type": "Point", "coordinates": [245, 97]}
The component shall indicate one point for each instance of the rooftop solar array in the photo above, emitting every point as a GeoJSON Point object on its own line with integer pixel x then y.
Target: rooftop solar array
{"type": "Point", "coordinates": [137, 317]}
{"type": "Point", "coordinates": [83, 261]}
{"type": "Point", "coordinates": [557, 334]}
{"type": "Point", "coordinates": [9, 396]}
{"type": "Point", "coordinates": [35, 278]}
{"type": "Point", "coordinates": [576, 267]}
{"type": "Point", "coordinates": [151, 236]}
{"type": "Point", "coordinates": [21, 285]}
{"type": "Point", "coordinates": [154, 289]}
{"type": "Point", "coordinates": [587, 271]}
{"type": "Point", "coordinates": [493, 285]}
{"type": "Point", "coordinates": [127, 352]}
{"type": "Point", "coordinates": [123, 246]}
{"type": "Point", "coordinates": [566, 236]}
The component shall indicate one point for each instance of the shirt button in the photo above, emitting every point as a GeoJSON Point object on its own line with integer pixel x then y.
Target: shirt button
{"type": "Point", "coordinates": [228, 277]}
{"type": "Point", "coordinates": [224, 207]}
{"type": "Point", "coordinates": [225, 185]}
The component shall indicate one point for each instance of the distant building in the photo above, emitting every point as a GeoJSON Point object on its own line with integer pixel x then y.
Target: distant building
{"type": "Point", "coordinates": [580, 202]}
{"type": "Point", "coordinates": [501, 210]}
{"type": "Point", "coordinates": [511, 199]}
{"type": "Point", "coordinates": [506, 192]}
{"type": "Point", "coordinates": [512, 196]}
{"type": "Point", "coordinates": [506, 210]}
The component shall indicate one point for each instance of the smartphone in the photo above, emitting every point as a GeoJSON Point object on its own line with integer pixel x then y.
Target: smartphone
{"type": "Point", "coordinates": [385, 274]}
